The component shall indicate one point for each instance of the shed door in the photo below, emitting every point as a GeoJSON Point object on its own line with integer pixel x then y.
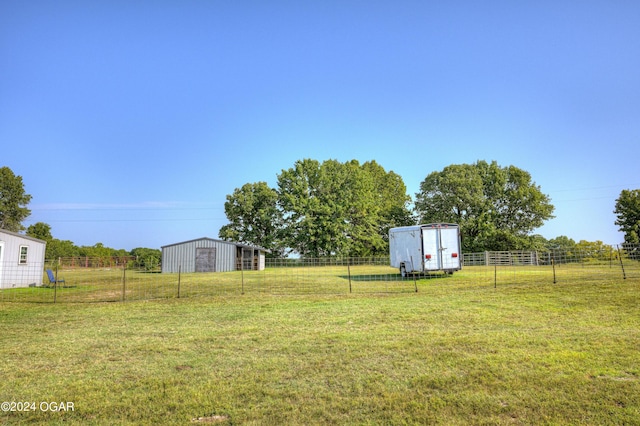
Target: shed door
{"type": "Point", "coordinates": [206, 259]}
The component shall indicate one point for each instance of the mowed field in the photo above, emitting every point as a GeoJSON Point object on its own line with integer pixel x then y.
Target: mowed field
{"type": "Point", "coordinates": [119, 284]}
{"type": "Point", "coordinates": [467, 349]}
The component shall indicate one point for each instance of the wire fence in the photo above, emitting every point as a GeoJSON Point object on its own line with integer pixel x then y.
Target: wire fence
{"type": "Point", "coordinates": [94, 262]}
{"type": "Point", "coordinates": [84, 282]}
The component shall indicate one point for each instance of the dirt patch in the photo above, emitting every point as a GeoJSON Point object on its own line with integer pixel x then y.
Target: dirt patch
{"type": "Point", "coordinates": [210, 419]}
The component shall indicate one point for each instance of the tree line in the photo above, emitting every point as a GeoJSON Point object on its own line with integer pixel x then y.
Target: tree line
{"type": "Point", "coordinates": [146, 258]}
{"type": "Point", "coordinates": [334, 208]}
{"type": "Point", "coordinates": [346, 209]}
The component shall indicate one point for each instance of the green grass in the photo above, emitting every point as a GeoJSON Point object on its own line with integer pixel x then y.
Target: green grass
{"type": "Point", "coordinates": [456, 352]}
{"type": "Point", "coordinates": [110, 285]}
{"type": "Point", "coordinates": [100, 285]}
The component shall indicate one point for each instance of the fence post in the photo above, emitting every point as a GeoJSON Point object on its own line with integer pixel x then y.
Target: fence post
{"type": "Point", "coordinates": [242, 272]}
{"type": "Point", "coordinates": [179, 270]}
{"type": "Point", "coordinates": [124, 283]}
{"type": "Point", "coordinates": [349, 273]}
{"type": "Point", "coordinates": [611, 258]}
{"type": "Point", "coordinates": [624, 274]}
{"type": "Point", "coordinates": [55, 286]}
{"type": "Point", "coordinates": [553, 265]}
{"type": "Point", "coordinates": [495, 275]}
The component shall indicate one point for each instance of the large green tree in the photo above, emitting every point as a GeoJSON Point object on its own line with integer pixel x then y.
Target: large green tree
{"type": "Point", "coordinates": [13, 201]}
{"type": "Point", "coordinates": [329, 209]}
{"type": "Point", "coordinates": [40, 230]}
{"type": "Point", "coordinates": [254, 217]}
{"type": "Point", "coordinates": [392, 198]}
{"type": "Point", "coordinates": [627, 211]}
{"type": "Point", "coordinates": [496, 207]}
{"type": "Point", "coordinates": [341, 209]}
{"type": "Point", "coordinates": [320, 209]}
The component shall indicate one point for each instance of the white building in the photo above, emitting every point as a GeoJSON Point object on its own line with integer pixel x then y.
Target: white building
{"type": "Point", "coordinates": [21, 260]}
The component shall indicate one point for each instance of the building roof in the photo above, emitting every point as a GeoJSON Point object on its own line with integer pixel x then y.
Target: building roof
{"type": "Point", "coordinates": [237, 244]}
{"type": "Point", "coordinates": [26, 237]}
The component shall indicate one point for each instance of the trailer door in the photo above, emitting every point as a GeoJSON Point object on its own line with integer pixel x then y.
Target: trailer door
{"type": "Point", "coordinates": [431, 249]}
{"type": "Point", "coordinates": [449, 248]}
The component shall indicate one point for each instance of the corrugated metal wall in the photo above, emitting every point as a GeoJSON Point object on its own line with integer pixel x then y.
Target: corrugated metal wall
{"type": "Point", "coordinates": [182, 256]}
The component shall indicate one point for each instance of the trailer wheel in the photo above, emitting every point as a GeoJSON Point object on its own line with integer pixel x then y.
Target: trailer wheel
{"type": "Point", "coordinates": [403, 270]}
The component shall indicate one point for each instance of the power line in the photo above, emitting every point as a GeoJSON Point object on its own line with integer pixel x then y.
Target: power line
{"type": "Point", "coordinates": [124, 208]}
{"type": "Point", "coordinates": [593, 188]}
{"type": "Point", "coordinates": [122, 220]}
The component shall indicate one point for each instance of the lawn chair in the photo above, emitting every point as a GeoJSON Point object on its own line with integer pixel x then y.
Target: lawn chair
{"type": "Point", "coordinates": [52, 278]}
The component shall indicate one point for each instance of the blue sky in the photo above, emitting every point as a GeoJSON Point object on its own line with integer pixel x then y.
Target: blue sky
{"type": "Point", "coordinates": [130, 121]}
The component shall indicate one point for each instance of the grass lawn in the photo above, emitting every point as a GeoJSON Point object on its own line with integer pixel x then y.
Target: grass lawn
{"type": "Point", "coordinates": [453, 353]}
{"type": "Point", "coordinates": [117, 284]}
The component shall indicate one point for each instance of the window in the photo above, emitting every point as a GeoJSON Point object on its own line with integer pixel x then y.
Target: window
{"type": "Point", "coordinates": [23, 255]}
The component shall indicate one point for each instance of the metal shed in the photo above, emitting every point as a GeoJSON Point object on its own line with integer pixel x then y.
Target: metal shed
{"type": "Point", "coordinates": [210, 255]}
{"type": "Point", "coordinates": [21, 260]}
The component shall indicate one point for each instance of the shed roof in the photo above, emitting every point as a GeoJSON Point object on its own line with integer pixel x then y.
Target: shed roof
{"type": "Point", "coordinates": [26, 237]}
{"type": "Point", "coordinates": [237, 244]}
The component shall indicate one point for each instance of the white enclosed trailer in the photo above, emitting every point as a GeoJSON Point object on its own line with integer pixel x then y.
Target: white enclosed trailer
{"type": "Point", "coordinates": [425, 248]}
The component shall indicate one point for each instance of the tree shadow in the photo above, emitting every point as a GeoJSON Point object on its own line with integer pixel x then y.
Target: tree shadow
{"type": "Point", "coordinates": [394, 277]}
